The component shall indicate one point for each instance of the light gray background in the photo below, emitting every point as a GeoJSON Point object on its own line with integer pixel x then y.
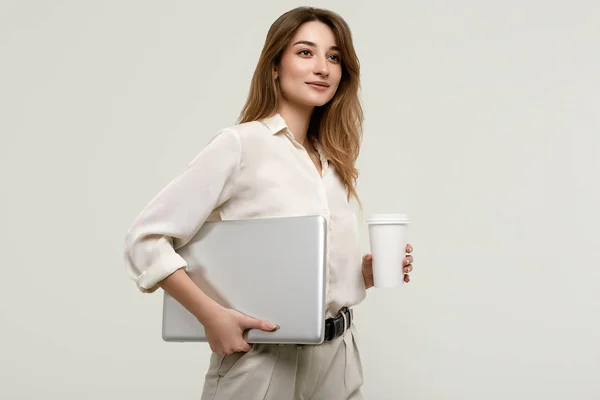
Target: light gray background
{"type": "Point", "coordinates": [482, 122]}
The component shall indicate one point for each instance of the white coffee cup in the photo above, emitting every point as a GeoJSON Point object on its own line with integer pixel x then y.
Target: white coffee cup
{"type": "Point", "coordinates": [388, 238]}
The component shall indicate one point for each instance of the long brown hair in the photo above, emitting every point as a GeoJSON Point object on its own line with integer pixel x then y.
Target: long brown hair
{"type": "Point", "coordinates": [337, 124]}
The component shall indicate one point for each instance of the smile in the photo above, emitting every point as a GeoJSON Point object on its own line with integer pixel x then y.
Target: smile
{"type": "Point", "coordinates": [318, 86]}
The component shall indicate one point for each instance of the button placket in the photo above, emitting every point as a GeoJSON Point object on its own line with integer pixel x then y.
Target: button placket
{"type": "Point", "coordinates": [325, 204]}
{"type": "Point", "coordinates": [322, 193]}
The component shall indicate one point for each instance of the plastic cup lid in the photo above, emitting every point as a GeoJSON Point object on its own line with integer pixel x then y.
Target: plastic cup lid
{"type": "Point", "coordinates": [388, 218]}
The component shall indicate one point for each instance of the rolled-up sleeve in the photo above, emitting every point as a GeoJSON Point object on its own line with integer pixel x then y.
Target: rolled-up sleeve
{"type": "Point", "coordinates": [177, 212]}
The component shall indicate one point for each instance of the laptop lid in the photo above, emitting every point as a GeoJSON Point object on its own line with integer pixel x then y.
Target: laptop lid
{"type": "Point", "coordinates": [268, 268]}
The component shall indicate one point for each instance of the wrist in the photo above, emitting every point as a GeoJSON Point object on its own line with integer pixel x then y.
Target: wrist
{"type": "Point", "coordinates": [208, 311]}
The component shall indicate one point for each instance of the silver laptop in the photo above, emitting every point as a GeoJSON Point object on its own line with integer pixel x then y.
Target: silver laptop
{"type": "Point", "coordinates": [270, 268]}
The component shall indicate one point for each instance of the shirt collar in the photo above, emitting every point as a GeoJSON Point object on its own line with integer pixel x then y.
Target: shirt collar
{"type": "Point", "coordinates": [275, 123]}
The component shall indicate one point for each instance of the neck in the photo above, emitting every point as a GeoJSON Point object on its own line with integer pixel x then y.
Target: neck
{"type": "Point", "coordinates": [297, 120]}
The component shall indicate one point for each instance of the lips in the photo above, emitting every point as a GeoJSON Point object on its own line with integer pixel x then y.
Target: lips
{"type": "Point", "coordinates": [318, 86]}
{"type": "Point", "coordinates": [321, 84]}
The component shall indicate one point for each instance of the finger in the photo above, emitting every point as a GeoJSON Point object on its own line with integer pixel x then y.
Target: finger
{"type": "Point", "coordinates": [406, 278]}
{"type": "Point", "coordinates": [409, 248]}
{"type": "Point", "coordinates": [244, 346]}
{"type": "Point", "coordinates": [367, 258]}
{"type": "Point", "coordinates": [251, 323]}
{"type": "Point", "coordinates": [408, 260]}
{"type": "Point", "coordinates": [408, 268]}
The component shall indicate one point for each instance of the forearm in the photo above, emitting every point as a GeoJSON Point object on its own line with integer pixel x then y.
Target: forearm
{"type": "Point", "coordinates": [179, 286]}
{"type": "Point", "coordinates": [178, 211]}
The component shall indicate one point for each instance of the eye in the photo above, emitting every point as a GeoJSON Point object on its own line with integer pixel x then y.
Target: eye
{"type": "Point", "coordinates": [335, 57]}
{"type": "Point", "coordinates": [305, 52]}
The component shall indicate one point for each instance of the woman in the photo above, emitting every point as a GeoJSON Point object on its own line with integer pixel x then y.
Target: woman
{"type": "Point", "coordinates": [292, 153]}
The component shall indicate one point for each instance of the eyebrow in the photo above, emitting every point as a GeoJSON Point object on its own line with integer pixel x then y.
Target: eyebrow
{"type": "Point", "coordinates": [308, 43]}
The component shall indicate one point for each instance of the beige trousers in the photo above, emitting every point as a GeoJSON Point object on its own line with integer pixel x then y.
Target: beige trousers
{"type": "Point", "coordinates": [330, 371]}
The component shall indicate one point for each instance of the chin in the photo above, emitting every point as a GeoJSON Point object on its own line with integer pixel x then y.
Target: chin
{"type": "Point", "coordinates": [315, 101]}
{"type": "Point", "coordinates": [310, 99]}
{"type": "Point", "coordinates": [313, 104]}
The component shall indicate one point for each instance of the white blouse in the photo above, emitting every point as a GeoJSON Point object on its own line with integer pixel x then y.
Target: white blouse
{"type": "Point", "coordinates": [250, 170]}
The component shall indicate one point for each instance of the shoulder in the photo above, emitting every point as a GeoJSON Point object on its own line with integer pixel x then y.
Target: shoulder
{"type": "Point", "coordinates": [247, 130]}
{"type": "Point", "coordinates": [249, 135]}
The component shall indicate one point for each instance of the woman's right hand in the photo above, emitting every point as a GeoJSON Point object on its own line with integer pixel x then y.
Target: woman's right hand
{"type": "Point", "coordinates": [224, 331]}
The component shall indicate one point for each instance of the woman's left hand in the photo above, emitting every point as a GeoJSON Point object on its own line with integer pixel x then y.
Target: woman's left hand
{"type": "Point", "coordinates": [367, 267]}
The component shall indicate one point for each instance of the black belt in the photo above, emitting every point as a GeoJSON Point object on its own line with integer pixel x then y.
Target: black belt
{"type": "Point", "coordinates": [336, 326]}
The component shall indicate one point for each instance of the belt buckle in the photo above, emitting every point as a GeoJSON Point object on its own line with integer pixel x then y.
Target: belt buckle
{"type": "Point", "coordinates": [343, 312]}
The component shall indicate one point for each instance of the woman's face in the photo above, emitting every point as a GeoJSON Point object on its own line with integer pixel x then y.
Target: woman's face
{"type": "Point", "coordinates": [310, 69]}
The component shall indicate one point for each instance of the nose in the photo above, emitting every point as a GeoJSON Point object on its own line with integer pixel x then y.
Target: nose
{"type": "Point", "coordinates": [321, 67]}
